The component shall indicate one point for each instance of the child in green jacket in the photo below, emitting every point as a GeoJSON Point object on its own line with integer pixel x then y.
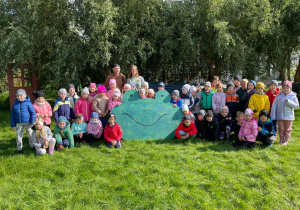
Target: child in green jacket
{"type": "Point", "coordinates": [63, 134]}
{"type": "Point", "coordinates": [206, 97]}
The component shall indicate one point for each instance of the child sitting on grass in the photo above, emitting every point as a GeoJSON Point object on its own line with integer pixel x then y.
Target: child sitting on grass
{"type": "Point", "coordinates": [100, 105]}
{"type": "Point", "coordinates": [259, 100]}
{"type": "Point", "coordinates": [186, 129]}
{"type": "Point", "coordinates": [218, 99]}
{"type": "Point", "coordinates": [186, 97]}
{"type": "Point", "coordinates": [42, 138]}
{"type": "Point", "coordinates": [210, 128]}
{"type": "Point", "coordinates": [151, 93]}
{"type": "Point", "coordinates": [83, 106]}
{"type": "Point", "coordinates": [283, 111]}
{"type": "Point", "coordinates": [113, 132]}
{"type": "Point", "coordinates": [225, 121]}
{"type": "Point", "coordinates": [206, 97]}
{"type": "Point", "coordinates": [248, 132]}
{"type": "Point", "coordinates": [175, 100]}
{"type": "Point", "coordinates": [22, 116]}
{"type": "Point", "coordinates": [199, 122]}
{"type": "Point", "coordinates": [266, 131]}
{"type": "Point", "coordinates": [92, 92]}
{"type": "Point", "coordinates": [236, 125]}
{"type": "Point", "coordinates": [185, 110]}
{"type": "Point", "coordinates": [62, 106]}
{"type": "Point", "coordinates": [142, 93]}
{"type": "Point", "coordinates": [94, 128]}
{"type": "Point", "coordinates": [63, 134]}
{"type": "Point", "coordinates": [79, 129]}
{"type": "Point", "coordinates": [42, 107]}
{"type": "Point", "coordinates": [116, 99]}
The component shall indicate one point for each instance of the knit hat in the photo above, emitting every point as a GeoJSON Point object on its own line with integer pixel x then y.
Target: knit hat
{"type": "Point", "coordinates": [94, 115]}
{"type": "Point", "coordinates": [260, 85]}
{"type": "Point", "coordinates": [185, 108]}
{"type": "Point", "coordinates": [274, 82]}
{"type": "Point", "coordinates": [287, 83]}
{"type": "Point", "coordinates": [93, 85]}
{"type": "Point", "coordinates": [62, 119]}
{"type": "Point", "coordinates": [116, 65]}
{"type": "Point", "coordinates": [112, 81]}
{"type": "Point", "coordinates": [38, 94]}
{"type": "Point", "coordinates": [62, 90]}
{"type": "Point", "coordinates": [264, 112]}
{"type": "Point", "coordinates": [186, 117]}
{"type": "Point", "coordinates": [21, 92]}
{"type": "Point", "coordinates": [71, 86]}
{"type": "Point", "coordinates": [111, 115]}
{"type": "Point", "coordinates": [127, 86]}
{"type": "Point", "coordinates": [117, 92]}
{"type": "Point", "coordinates": [151, 91]}
{"type": "Point", "coordinates": [230, 84]}
{"type": "Point", "coordinates": [101, 89]}
{"type": "Point", "coordinates": [142, 90]}
{"type": "Point", "coordinates": [224, 108]}
{"type": "Point", "coordinates": [161, 84]}
{"type": "Point", "coordinates": [254, 83]}
{"type": "Point", "coordinates": [192, 89]}
{"type": "Point", "coordinates": [202, 112]}
{"type": "Point", "coordinates": [245, 81]}
{"type": "Point", "coordinates": [176, 93]}
{"type": "Point", "coordinates": [196, 84]}
{"type": "Point", "coordinates": [248, 111]}
{"type": "Point", "coordinates": [132, 84]}
{"type": "Point", "coordinates": [209, 113]}
{"type": "Point", "coordinates": [186, 87]}
{"type": "Point", "coordinates": [238, 78]}
{"type": "Point", "coordinates": [85, 90]}
{"type": "Point", "coordinates": [207, 84]}
{"type": "Point", "coordinates": [145, 84]}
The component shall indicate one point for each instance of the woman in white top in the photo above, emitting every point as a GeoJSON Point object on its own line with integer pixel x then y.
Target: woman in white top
{"type": "Point", "coordinates": [133, 76]}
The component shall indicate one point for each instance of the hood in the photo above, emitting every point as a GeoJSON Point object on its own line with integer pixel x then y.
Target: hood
{"type": "Point", "coordinates": [63, 119]}
{"type": "Point", "coordinates": [269, 120]}
{"type": "Point", "coordinates": [292, 93]}
{"type": "Point", "coordinates": [27, 99]}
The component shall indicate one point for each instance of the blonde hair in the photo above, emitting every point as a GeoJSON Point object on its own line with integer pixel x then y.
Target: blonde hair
{"type": "Point", "coordinates": [239, 113]}
{"type": "Point", "coordinates": [39, 133]}
{"type": "Point", "coordinates": [219, 85]}
{"type": "Point", "coordinates": [216, 78]}
{"type": "Point", "coordinates": [130, 71]}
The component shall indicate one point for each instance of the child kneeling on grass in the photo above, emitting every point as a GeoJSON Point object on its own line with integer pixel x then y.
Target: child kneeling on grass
{"type": "Point", "coordinates": [94, 128]}
{"type": "Point", "coordinates": [42, 138]}
{"type": "Point", "coordinates": [248, 131]}
{"type": "Point", "coordinates": [113, 132]}
{"type": "Point", "coordinates": [79, 129]}
{"type": "Point", "coordinates": [63, 134]}
{"type": "Point", "coordinates": [225, 121]}
{"type": "Point", "coordinates": [266, 130]}
{"type": "Point", "coordinates": [186, 128]}
{"type": "Point", "coordinates": [210, 128]}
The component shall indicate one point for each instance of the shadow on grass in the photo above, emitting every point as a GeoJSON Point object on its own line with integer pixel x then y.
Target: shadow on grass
{"type": "Point", "coordinates": [9, 147]}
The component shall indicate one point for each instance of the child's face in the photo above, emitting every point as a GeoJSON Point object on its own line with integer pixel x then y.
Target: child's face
{"type": "Point", "coordinates": [145, 88]}
{"type": "Point", "coordinates": [112, 86]}
{"type": "Point", "coordinates": [132, 88]}
{"type": "Point", "coordinates": [263, 118]}
{"type": "Point", "coordinates": [20, 98]}
{"type": "Point", "coordinates": [207, 88]}
{"type": "Point", "coordinates": [160, 88]}
{"type": "Point", "coordinates": [286, 89]}
{"type": "Point", "coordinates": [183, 91]}
{"type": "Point", "coordinates": [240, 118]}
{"type": "Point", "coordinates": [85, 95]}
{"type": "Point", "coordinates": [194, 93]}
{"type": "Point", "coordinates": [187, 123]}
{"type": "Point", "coordinates": [230, 90]}
{"type": "Point", "coordinates": [209, 118]}
{"type": "Point", "coordinates": [236, 82]}
{"type": "Point", "coordinates": [260, 90]}
{"type": "Point", "coordinates": [62, 96]}
{"type": "Point", "coordinates": [185, 112]}
{"type": "Point", "coordinates": [101, 94]}
{"type": "Point", "coordinates": [174, 97]}
{"type": "Point", "coordinates": [71, 91]}
{"type": "Point", "coordinates": [273, 87]}
{"type": "Point", "coordinates": [215, 82]}
{"type": "Point", "coordinates": [150, 95]}
{"type": "Point", "coordinates": [142, 94]}
{"type": "Point", "coordinates": [224, 113]}
{"type": "Point", "coordinates": [40, 100]}
{"type": "Point", "coordinates": [248, 117]}
{"type": "Point", "coordinates": [115, 98]}
{"type": "Point", "coordinates": [92, 89]}
{"type": "Point", "coordinates": [79, 121]}
{"type": "Point", "coordinates": [38, 126]}
{"type": "Point", "coordinates": [62, 124]}
{"type": "Point", "coordinates": [250, 86]}
{"type": "Point", "coordinates": [126, 89]}
{"type": "Point", "coordinates": [111, 120]}
{"type": "Point", "coordinates": [94, 119]}
{"type": "Point", "coordinates": [198, 87]}
{"type": "Point", "coordinates": [219, 89]}
{"type": "Point", "coordinates": [200, 117]}
{"type": "Point", "coordinates": [243, 85]}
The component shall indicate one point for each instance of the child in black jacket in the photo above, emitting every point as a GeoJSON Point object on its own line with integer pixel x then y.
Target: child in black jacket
{"type": "Point", "coordinates": [210, 128]}
{"type": "Point", "coordinates": [225, 121]}
{"type": "Point", "coordinates": [199, 122]}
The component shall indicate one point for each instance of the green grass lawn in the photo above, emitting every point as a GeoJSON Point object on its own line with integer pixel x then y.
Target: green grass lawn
{"type": "Point", "coordinates": [150, 174]}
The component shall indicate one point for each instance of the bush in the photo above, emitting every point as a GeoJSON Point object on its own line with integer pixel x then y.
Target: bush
{"type": "Point", "coordinates": [4, 101]}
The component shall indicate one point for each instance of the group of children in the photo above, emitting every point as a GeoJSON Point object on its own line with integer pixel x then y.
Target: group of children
{"type": "Point", "coordinates": [210, 114]}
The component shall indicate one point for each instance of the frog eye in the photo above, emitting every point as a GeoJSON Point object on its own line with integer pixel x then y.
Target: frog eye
{"type": "Point", "coordinates": [131, 95]}
{"type": "Point", "coordinates": [163, 96]}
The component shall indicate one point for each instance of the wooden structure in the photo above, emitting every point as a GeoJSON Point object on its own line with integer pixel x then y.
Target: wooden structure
{"type": "Point", "coordinates": [21, 77]}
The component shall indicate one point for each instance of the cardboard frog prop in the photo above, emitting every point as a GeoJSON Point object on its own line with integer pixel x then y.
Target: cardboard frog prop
{"type": "Point", "coordinates": [143, 119]}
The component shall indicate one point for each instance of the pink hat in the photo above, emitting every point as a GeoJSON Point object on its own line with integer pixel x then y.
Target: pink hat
{"type": "Point", "coordinates": [127, 86]}
{"type": "Point", "coordinates": [112, 81]}
{"type": "Point", "coordinates": [287, 83]}
{"type": "Point", "coordinates": [101, 89]}
{"type": "Point", "coordinates": [248, 112]}
{"type": "Point", "coordinates": [93, 85]}
{"type": "Point", "coordinates": [117, 92]}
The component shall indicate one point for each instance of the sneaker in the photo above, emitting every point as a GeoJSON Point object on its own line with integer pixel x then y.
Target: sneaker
{"type": "Point", "coordinates": [270, 145]}
{"type": "Point", "coordinates": [20, 152]}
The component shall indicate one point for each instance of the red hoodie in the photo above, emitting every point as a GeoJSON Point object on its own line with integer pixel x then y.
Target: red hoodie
{"type": "Point", "coordinates": [272, 96]}
{"type": "Point", "coordinates": [191, 130]}
{"type": "Point", "coordinates": [112, 133]}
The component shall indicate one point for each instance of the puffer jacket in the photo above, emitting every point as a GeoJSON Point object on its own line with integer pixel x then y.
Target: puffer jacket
{"type": "Point", "coordinates": [187, 99]}
{"type": "Point", "coordinates": [22, 112]}
{"type": "Point", "coordinates": [249, 129]}
{"type": "Point", "coordinates": [267, 127]}
{"type": "Point", "coordinates": [64, 133]}
{"type": "Point", "coordinates": [83, 106]}
{"type": "Point", "coordinates": [95, 128]}
{"type": "Point", "coordinates": [92, 96]}
{"type": "Point", "coordinates": [112, 133]}
{"type": "Point", "coordinates": [63, 108]}
{"type": "Point", "coordinates": [79, 128]}
{"type": "Point", "coordinates": [210, 130]}
{"type": "Point", "coordinates": [206, 100]}
{"type": "Point", "coordinates": [43, 110]}
{"type": "Point", "coordinates": [259, 102]}
{"type": "Point", "coordinates": [282, 110]}
{"type": "Point", "coordinates": [232, 101]}
{"type": "Point", "coordinates": [218, 100]}
{"type": "Point", "coordinates": [112, 104]}
{"type": "Point", "coordinates": [100, 105]}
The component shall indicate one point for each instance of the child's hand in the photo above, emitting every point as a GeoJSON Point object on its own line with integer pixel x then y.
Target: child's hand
{"type": "Point", "coordinates": [183, 137]}
{"type": "Point", "coordinates": [14, 128]}
{"type": "Point", "coordinates": [174, 105]}
{"type": "Point", "coordinates": [80, 135]}
{"type": "Point", "coordinates": [119, 104]}
{"type": "Point", "coordinates": [259, 129]}
{"type": "Point", "coordinates": [114, 142]}
{"type": "Point", "coordinates": [46, 115]}
{"type": "Point", "coordinates": [286, 100]}
{"type": "Point", "coordinates": [40, 115]}
{"type": "Point", "coordinates": [46, 144]}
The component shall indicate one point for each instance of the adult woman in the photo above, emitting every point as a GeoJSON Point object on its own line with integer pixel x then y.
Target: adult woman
{"type": "Point", "coordinates": [133, 76]}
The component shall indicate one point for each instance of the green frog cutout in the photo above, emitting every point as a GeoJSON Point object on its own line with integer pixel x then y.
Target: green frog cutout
{"type": "Point", "coordinates": [144, 119]}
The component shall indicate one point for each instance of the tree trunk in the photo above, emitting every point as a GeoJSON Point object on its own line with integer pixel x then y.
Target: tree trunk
{"type": "Point", "coordinates": [297, 75]}
{"type": "Point", "coordinates": [211, 71]}
{"type": "Point", "coordinates": [282, 72]}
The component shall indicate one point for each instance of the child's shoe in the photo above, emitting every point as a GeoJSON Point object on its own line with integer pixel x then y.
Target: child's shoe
{"type": "Point", "coordinates": [286, 141]}
{"type": "Point", "coordinates": [60, 147]}
{"type": "Point", "coordinates": [20, 152]}
{"type": "Point", "coordinates": [270, 145]}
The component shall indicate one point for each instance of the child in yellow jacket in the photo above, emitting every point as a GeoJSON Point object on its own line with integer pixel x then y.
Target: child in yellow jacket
{"type": "Point", "coordinates": [259, 100]}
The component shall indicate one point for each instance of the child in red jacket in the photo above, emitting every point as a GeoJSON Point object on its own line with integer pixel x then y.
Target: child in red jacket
{"type": "Point", "coordinates": [113, 132]}
{"type": "Point", "coordinates": [186, 128]}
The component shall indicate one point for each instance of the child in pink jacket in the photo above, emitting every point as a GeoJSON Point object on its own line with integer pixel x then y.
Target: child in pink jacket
{"type": "Point", "coordinates": [42, 107]}
{"type": "Point", "coordinates": [112, 86]}
{"type": "Point", "coordinates": [248, 131]}
{"type": "Point", "coordinates": [93, 92]}
{"type": "Point", "coordinates": [83, 106]}
{"type": "Point", "coordinates": [116, 99]}
{"type": "Point", "coordinates": [94, 128]}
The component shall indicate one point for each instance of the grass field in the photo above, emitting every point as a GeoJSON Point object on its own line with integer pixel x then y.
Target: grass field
{"type": "Point", "coordinates": [171, 174]}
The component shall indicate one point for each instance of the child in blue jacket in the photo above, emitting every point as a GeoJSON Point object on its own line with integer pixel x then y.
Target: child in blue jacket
{"type": "Point", "coordinates": [175, 100]}
{"type": "Point", "coordinates": [63, 107]}
{"type": "Point", "coordinates": [22, 116]}
{"type": "Point", "coordinates": [266, 129]}
{"type": "Point", "coordinates": [186, 96]}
